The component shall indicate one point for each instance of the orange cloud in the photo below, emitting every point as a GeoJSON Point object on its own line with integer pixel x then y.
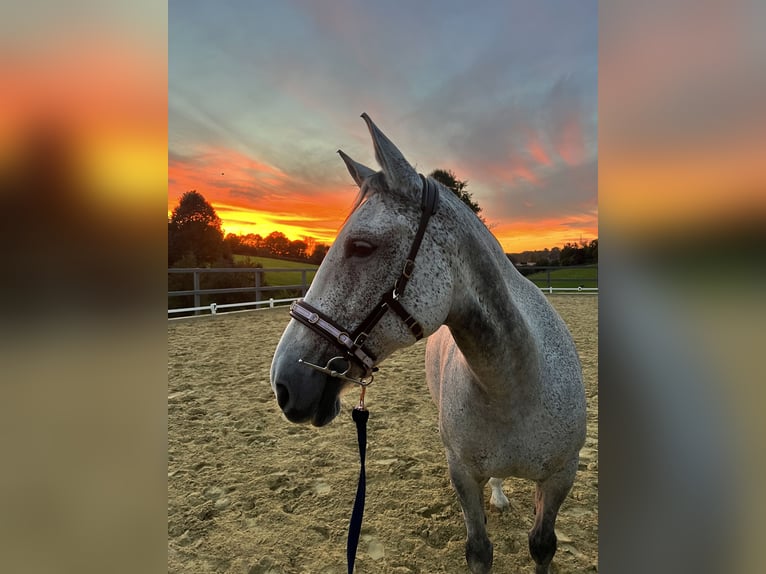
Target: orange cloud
{"type": "Point", "coordinates": [514, 170]}
{"type": "Point", "coordinates": [520, 235]}
{"type": "Point", "coordinates": [569, 141]}
{"type": "Point", "coordinates": [221, 169]}
{"type": "Point", "coordinates": [536, 150]}
{"type": "Point", "coordinates": [244, 221]}
{"type": "Point", "coordinates": [251, 196]}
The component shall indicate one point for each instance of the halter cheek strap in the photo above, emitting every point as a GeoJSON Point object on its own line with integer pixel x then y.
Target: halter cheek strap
{"type": "Point", "coordinates": [352, 345]}
{"type": "Point", "coordinates": [323, 325]}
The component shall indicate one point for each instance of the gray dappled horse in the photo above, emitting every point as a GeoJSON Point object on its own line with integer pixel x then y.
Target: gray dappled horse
{"type": "Point", "coordinates": [500, 363]}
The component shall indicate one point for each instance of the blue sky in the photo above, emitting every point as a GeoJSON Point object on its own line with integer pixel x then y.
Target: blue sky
{"type": "Point", "coordinates": [262, 94]}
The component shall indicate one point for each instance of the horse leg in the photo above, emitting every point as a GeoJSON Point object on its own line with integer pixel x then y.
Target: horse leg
{"type": "Point", "coordinates": [498, 499]}
{"type": "Point", "coordinates": [549, 496]}
{"type": "Point", "coordinates": [478, 548]}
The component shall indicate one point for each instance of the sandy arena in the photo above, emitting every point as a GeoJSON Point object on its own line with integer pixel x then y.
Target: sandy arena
{"type": "Point", "coordinates": [250, 493]}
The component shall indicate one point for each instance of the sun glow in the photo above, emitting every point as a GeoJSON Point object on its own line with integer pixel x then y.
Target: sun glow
{"type": "Point", "coordinates": [245, 221]}
{"type": "Point", "coordinates": [515, 238]}
{"type": "Point", "coordinates": [252, 196]}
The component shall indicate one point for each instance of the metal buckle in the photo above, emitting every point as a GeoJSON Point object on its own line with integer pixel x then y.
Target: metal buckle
{"type": "Point", "coordinates": [409, 267]}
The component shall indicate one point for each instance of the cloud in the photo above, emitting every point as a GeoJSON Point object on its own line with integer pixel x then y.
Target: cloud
{"type": "Point", "coordinates": [221, 173]}
{"type": "Point", "coordinates": [560, 193]}
{"type": "Point", "coordinates": [537, 150]}
{"type": "Point", "coordinates": [564, 119]}
{"type": "Point", "coordinates": [503, 94]}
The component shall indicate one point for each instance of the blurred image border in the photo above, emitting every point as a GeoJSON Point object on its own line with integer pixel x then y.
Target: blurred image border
{"type": "Point", "coordinates": [83, 176]}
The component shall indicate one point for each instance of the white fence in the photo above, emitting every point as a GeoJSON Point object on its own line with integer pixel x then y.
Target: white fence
{"type": "Point", "coordinates": [259, 287]}
{"type": "Point", "coordinates": [214, 307]}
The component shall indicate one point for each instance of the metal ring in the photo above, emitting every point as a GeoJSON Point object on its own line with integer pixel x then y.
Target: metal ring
{"type": "Point", "coordinates": [365, 383]}
{"type": "Point", "coordinates": [348, 363]}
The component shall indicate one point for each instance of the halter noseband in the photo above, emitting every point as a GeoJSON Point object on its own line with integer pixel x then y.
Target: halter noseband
{"type": "Point", "coordinates": [352, 345]}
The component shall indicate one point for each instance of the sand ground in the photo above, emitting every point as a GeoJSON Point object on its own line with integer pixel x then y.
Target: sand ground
{"type": "Point", "coordinates": [250, 493]}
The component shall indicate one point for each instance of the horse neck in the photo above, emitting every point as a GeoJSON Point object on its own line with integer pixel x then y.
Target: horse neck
{"type": "Point", "coordinates": [488, 326]}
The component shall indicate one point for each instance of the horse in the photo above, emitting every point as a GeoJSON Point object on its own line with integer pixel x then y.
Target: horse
{"type": "Point", "coordinates": [501, 365]}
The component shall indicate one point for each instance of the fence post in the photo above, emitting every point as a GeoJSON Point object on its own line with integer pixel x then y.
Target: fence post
{"type": "Point", "coordinates": [303, 282]}
{"type": "Point", "coordinates": [258, 284]}
{"type": "Point", "coordinates": [196, 291]}
{"type": "Point", "coordinates": [548, 271]}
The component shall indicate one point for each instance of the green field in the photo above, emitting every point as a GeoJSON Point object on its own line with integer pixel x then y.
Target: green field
{"type": "Point", "coordinates": [567, 277]}
{"type": "Point", "coordinates": [279, 277]}
{"type": "Point", "coordinates": [560, 277]}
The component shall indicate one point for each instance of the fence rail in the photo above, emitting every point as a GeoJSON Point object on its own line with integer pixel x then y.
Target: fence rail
{"type": "Point", "coordinates": [559, 283]}
{"type": "Point", "coordinates": [565, 279]}
{"type": "Point", "coordinates": [259, 287]}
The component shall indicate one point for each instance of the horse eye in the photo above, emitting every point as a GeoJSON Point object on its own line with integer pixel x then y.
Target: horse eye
{"type": "Point", "coordinates": [359, 248]}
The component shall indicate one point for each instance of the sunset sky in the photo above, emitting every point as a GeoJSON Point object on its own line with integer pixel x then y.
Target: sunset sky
{"type": "Point", "coordinates": [262, 94]}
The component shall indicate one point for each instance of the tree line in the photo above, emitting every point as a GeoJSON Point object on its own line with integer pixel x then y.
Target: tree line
{"type": "Point", "coordinates": [584, 253]}
{"type": "Point", "coordinates": [196, 239]}
{"type": "Point", "coordinates": [276, 244]}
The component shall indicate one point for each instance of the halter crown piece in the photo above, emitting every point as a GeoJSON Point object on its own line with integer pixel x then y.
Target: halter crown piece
{"type": "Point", "coordinates": [352, 345]}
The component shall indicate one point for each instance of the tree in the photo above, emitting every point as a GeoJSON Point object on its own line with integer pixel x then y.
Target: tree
{"type": "Point", "coordinates": [448, 179]}
{"type": "Point", "coordinates": [194, 232]}
{"type": "Point", "coordinates": [320, 250]}
{"type": "Point", "coordinates": [297, 249]}
{"type": "Point", "coordinates": [277, 244]}
{"type": "Point", "coordinates": [251, 244]}
{"type": "Point", "coordinates": [232, 244]}
{"type": "Point", "coordinates": [591, 252]}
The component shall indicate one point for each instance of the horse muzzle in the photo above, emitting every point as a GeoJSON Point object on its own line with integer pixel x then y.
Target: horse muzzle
{"type": "Point", "coordinates": [306, 395]}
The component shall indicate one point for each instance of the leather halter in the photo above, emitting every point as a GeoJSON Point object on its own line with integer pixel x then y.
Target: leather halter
{"type": "Point", "coordinates": [352, 345]}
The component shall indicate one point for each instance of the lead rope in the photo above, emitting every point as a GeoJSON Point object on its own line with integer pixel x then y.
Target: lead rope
{"type": "Point", "coordinates": [360, 414]}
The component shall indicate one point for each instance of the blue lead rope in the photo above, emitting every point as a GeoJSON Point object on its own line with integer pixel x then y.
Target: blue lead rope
{"type": "Point", "coordinates": [360, 416]}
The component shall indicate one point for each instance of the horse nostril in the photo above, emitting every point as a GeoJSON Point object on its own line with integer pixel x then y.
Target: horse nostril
{"type": "Point", "coordinates": [283, 395]}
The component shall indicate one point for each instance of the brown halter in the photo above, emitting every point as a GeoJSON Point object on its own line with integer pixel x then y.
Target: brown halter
{"type": "Point", "coordinates": [352, 345]}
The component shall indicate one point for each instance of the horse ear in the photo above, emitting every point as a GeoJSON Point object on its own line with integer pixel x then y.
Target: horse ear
{"type": "Point", "coordinates": [358, 171]}
{"type": "Point", "coordinates": [396, 169]}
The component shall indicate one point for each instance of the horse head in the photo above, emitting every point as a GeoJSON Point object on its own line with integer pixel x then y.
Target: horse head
{"type": "Point", "coordinates": [357, 310]}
